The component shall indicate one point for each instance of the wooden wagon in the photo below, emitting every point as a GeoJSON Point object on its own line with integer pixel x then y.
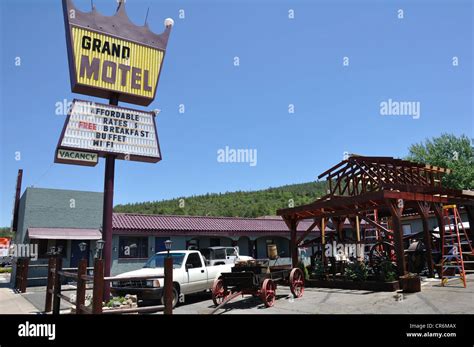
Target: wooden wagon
{"type": "Point", "coordinates": [258, 279]}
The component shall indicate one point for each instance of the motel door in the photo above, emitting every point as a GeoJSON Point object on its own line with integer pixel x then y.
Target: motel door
{"type": "Point", "coordinates": [160, 244]}
{"type": "Point", "coordinates": [76, 254]}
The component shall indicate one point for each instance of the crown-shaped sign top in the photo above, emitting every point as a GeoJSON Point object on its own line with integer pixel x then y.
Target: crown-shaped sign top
{"type": "Point", "coordinates": [118, 25]}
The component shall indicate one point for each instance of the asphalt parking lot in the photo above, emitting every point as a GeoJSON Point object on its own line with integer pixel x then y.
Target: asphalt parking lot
{"type": "Point", "coordinates": [433, 299]}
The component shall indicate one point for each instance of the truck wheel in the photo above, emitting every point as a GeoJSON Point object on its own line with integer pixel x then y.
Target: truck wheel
{"type": "Point", "coordinates": [175, 298]}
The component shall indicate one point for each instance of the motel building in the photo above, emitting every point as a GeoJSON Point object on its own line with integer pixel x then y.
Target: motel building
{"type": "Point", "coordinates": [66, 218]}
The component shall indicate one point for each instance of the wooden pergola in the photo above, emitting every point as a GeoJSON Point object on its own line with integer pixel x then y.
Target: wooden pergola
{"type": "Point", "coordinates": [359, 185]}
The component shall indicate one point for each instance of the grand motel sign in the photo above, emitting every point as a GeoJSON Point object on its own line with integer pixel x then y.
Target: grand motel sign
{"type": "Point", "coordinates": [111, 58]}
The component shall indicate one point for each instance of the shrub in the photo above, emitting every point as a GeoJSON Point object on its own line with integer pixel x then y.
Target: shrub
{"type": "Point", "coordinates": [318, 270]}
{"type": "Point", "coordinates": [387, 271]}
{"type": "Point", "coordinates": [356, 271]}
{"type": "Point", "coordinates": [304, 269]}
{"type": "Point", "coordinates": [115, 302]}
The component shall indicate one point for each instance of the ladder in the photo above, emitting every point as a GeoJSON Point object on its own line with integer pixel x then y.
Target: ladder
{"type": "Point", "coordinates": [453, 240]}
{"type": "Point", "coordinates": [371, 235]}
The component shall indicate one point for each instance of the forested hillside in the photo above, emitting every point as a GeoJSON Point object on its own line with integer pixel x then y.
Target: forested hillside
{"type": "Point", "coordinates": [233, 204]}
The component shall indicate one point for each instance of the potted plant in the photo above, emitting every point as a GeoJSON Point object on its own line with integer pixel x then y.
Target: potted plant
{"type": "Point", "coordinates": [410, 283]}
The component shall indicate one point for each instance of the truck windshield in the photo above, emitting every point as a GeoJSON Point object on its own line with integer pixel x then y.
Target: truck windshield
{"type": "Point", "coordinates": [158, 260]}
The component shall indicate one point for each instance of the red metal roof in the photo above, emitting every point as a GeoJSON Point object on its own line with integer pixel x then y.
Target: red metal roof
{"type": "Point", "coordinates": [142, 223]}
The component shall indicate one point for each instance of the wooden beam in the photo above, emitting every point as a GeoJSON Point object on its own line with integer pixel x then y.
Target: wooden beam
{"type": "Point", "coordinates": [374, 223]}
{"type": "Point", "coordinates": [293, 244]}
{"type": "Point", "coordinates": [396, 213]}
{"type": "Point", "coordinates": [357, 229]}
{"type": "Point", "coordinates": [424, 211]}
{"type": "Point", "coordinates": [438, 210]}
{"type": "Point", "coordinates": [306, 233]}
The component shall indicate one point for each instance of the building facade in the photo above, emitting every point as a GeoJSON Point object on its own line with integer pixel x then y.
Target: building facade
{"type": "Point", "coordinates": [66, 218]}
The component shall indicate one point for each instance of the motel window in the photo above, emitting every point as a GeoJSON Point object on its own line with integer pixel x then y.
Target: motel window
{"type": "Point", "coordinates": [45, 245]}
{"type": "Point", "coordinates": [133, 247]}
{"type": "Point", "coordinates": [215, 242]}
{"type": "Point", "coordinates": [406, 229]}
{"type": "Point", "coordinates": [42, 248]}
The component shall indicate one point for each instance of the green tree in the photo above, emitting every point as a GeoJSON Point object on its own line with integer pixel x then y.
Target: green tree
{"type": "Point", "coordinates": [5, 232]}
{"type": "Point", "coordinates": [450, 152]}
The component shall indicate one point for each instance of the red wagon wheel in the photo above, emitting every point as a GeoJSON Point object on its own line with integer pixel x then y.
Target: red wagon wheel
{"type": "Point", "coordinates": [268, 292]}
{"type": "Point", "coordinates": [218, 292]}
{"type": "Point", "coordinates": [297, 282]}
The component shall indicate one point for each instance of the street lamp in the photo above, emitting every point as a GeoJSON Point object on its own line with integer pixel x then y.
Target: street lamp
{"type": "Point", "coordinates": [168, 244]}
{"type": "Point", "coordinates": [99, 245]}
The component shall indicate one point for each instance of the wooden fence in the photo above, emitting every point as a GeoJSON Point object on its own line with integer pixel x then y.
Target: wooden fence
{"type": "Point", "coordinates": [54, 291]}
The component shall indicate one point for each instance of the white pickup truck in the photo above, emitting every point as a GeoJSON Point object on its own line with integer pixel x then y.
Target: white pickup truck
{"type": "Point", "coordinates": [190, 275]}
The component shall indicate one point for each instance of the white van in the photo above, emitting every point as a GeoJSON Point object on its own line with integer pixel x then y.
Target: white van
{"type": "Point", "coordinates": [220, 255]}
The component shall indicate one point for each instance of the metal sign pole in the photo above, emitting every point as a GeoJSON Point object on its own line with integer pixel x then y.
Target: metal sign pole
{"type": "Point", "coordinates": [108, 211]}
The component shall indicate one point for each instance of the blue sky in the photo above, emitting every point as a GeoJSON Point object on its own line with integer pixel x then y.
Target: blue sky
{"type": "Point", "coordinates": [282, 61]}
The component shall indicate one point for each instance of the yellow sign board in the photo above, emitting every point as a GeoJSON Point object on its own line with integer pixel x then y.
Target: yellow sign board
{"type": "Point", "coordinates": [111, 57]}
{"type": "Point", "coordinates": [105, 62]}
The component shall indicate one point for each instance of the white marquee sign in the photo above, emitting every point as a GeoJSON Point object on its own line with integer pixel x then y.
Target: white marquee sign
{"type": "Point", "coordinates": [105, 129]}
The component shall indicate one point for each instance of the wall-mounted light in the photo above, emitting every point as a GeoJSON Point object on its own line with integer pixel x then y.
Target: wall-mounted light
{"type": "Point", "coordinates": [83, 246]}
{"type": "Point", "coordinates": [99, 246]}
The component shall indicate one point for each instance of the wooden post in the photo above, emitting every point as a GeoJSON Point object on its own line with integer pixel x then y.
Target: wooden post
{"type": "Point", "coordinates": [339, 224]}
{"type": "Point", "coordinates": [50, 285]}
{"type": "Point", "coordinates": [423, 210]}
{"type": "Point", "coordinates": [57, 284]}
{"type": "Point", "coordinates": [16, 208]}
{"type": "Point", "coordinates": [108, 206]}
{"type": "Point", "coordinates": [18, 273]}
{"type": "Point", "coordinates": [396, 213]}
{"type": "Point", "coordinates": [323, 241]}
{"type": "Point", "coordinates": [81, 286]}
{"type": "Point", "coordinates": [470, 217]}
{"type": "Point", "coordinates": [24, 274]}
{"type": "Point", "coordinates": [168, 290]}
{"type": "Point", "coordinates": [357, 229]}
{"type": "Point", "coordinates": [293, 245]}
{"type": "Point", "coordinates": [98, 286]}
{"type": "Point", "coordinates": [438, 210]}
